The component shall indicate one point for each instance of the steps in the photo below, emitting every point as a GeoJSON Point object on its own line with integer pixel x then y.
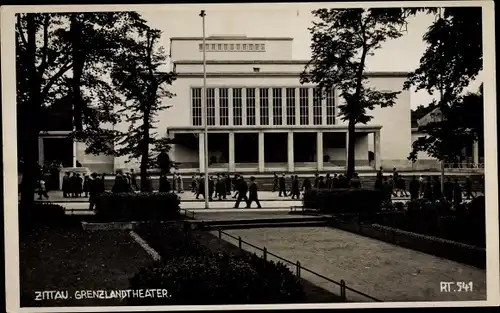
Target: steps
{"type": "Point", "coordinates": [259, 223]}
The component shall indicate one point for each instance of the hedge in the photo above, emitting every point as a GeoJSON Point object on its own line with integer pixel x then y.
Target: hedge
{"type": "Point", "coordinates": [195, 275]}
{"type": "Point", "coordinates": [41, 214]}
{"type": "Point", "coordinates": [132, 206]}
{"type": "Point", "coordinates": [343, 200]}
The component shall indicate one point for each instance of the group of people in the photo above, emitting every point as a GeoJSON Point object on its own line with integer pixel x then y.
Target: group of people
{"type": "Point", "coordinates": [221, 185]}
{"type": "Point", "coordinates": [426, 188]}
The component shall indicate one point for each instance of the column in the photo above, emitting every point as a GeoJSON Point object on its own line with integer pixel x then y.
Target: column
{"type": "Point", "coordinates": [475, 154]}
{"type": "Point", "coordinates": [261, 152]}
{"type": "Point", "coordinates": [291, 167]}
{"type": "Point", "coordinates": [346, 147]}
{"type": "Point", "coordinates": [40, 150]}
{"type": "Point", "coordinates": [376, 148]}
{"type": "Point", "coordinates": [231, 153]}
{"type": "Point", "coordinates": [297, 106]}
{"type": "Point", "coordinates": [201, 152]}
{"type": "Point", "coordinates": [323, 111]}
{"type": "Point", "coordinates": [310, 105]}
{"type": "Point", "coordinates": [319, 150]}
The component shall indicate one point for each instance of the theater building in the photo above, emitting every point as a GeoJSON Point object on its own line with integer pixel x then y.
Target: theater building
{"type": "Point", "coordinates": [261, 119]}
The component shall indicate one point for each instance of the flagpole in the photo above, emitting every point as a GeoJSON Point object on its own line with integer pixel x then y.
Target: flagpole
{"type": "Point", "coordinates": [205, 115]}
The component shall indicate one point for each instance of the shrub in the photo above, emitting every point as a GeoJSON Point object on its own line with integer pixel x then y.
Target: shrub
{"type": "Point", "coordinates": [133, 206]}
{"type": "Point", "coordinates": [343, 200]}
{"type": "Point", "coordinates": [218, 279]}
{"type": "Point", "coordinates": [41, 214]}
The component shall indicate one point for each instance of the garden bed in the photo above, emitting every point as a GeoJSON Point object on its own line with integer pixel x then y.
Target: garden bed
{"type": "Point", "coordinates": [70, 259]}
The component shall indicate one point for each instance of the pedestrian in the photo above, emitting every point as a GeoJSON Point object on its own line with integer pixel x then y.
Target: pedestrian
{"type": "Point", "coordinates": [275, 182]}
{"type": "Point", "coordinates": [133, 180]}
{"type": "Point", "coordinates": [306, 185]}
{"type": "Point", "coordinates": [387, 190]}
{"type": "Point", "coordinates": [227, 181]}
{"type": "Point", "coordinates": [316, 180]}
{"type": "Point", "coordinates": [468, 188]}
{"type": "Point", "coordinates": [79, 185]}
{"type": "Point", "coordinates": [220, 188]}
{"type": "Point", "coordinates": [95, 189]}
{"type": "Point", "coordinates": [86, 185]}
{"type": "Point", "coordinates": [335, 181]}
{"type": "Point", "coordinates": [179, 182]}
{"type": "Point", "coordinates": [164, 184]}
{"type": "Point", "coordinates": [329, 181]}
{"type": "Point", "coordinates": [282, 186]}
{"type": "Point", "coordinates": [253, 194]}
{"type": "Point", "coordinates": [193, 184]}
{"type": "Point", "coordinates": [402, 186]}
{"type": "Point", "coordinates": [321, 182]}
{"type": "Point", "coordinates": [211, 188]}
{"type": "Point", "coordinates": [42, 190]}
{"type": "Point", "coordinates": [448, 190]}
{"type": "Point", "coordinates": [295, 190]}
{"type": "Point", "coordinates": [422, 185]}
{"type": "Point", "coordinates": [355, 181]}
{"type": "Point", "coordinates": [66, 188]}
{"type": "Point", "coordinates": [457, 194]}
{"type": "Point", "coordinates": [234, 182]}
{"type": "Point", "coordinates": [414, 188]}
{"type": "Point", "coordinates": [242, 189]}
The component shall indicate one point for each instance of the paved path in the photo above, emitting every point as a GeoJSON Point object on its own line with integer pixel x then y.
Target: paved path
{"type": "Point", "coordinates": [379, 269]}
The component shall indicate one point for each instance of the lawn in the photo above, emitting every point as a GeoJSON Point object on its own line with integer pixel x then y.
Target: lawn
{"type": "Point", "coordinates": [70, 259]}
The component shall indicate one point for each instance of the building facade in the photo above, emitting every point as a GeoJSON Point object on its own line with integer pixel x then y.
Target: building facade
{"type": "Point", "coordinates": [260, 117]}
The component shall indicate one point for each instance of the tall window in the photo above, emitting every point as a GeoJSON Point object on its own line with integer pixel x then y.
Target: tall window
{"type": "Point", "coordinates": [250, 106]}
{"type": "Point", "coordinates": [277, 107]}
{"type": "Point", "coordinates": [223, 106]}
{"type": "Point", "coordinates": [330, 107]}
{"type": "Point", "coordinates": [237, 107]}
{"type": "Point", "coordinates": [196, 106]}
{"type": "Point", "coordinates": [264, 106]}
{"type": "Point", "coordinates": [317, 107]}
{"type": "Point", "coordinates": [210, 106]}
{"type": "Point", "coordinates": [290, 106]}
{"type": "Point", "coordinates": [304, 106]}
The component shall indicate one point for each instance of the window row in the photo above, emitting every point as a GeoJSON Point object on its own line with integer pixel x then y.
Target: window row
{"type": "Point", "coordinates": [260, 47]}
{"type": "Point", "coordinates": [239, 106]}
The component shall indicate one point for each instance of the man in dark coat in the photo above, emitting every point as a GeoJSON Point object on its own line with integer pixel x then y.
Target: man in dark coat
{"type": "Point", "coordinates": [201, 187]}
{"type": "Point", "coordinates": [448, 190]}
{"type": "Point", "coordinates": [66, 188]}
{"type": "Point", "coordinates": [355, 181]}
{"type": "Point", "coordinates": [211, 188]}
{"type": "Point", "coordinates": [242, 189]}
{"type": "Point", "coordinates": [133, 180]}
{"type": "Point", "coordinates": [295, 190]}
{"type": "Point", "coordinates": [253, 194]}
{"type": "Point", "coordinates": [282, 186]}
{"type": "Point", "coordinates": [321, 183]}
{"type": "Point", "coordinates": [164, 184]}
{"type": "Point", "coordinates": [96, 187]}
{"type": "Point", "coordinates": [220, 188]}
{"type": "Point", "coordinates": [306, 185]}
{"type": "Point", "coordinates": [457, 194]}
{"type": "Point", "coordinates": [387, 189]}
{"type": "Point", "coordinates": [335, 181]}
{"type": "Point", "coordinates": [316, 180]}
{"type": "Point", "coordinates": [227, 181]}
{"type": "Point", "coordinates": [329, 181]}
{"type": "Point", "coordinates": [414, 188]}
{"type": "Point", "coordinates": [468, 188]}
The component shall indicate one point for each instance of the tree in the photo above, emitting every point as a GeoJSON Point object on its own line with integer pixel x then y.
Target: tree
{"type": "Point", "coordinates": [460, 127]}
{"type": "Point", "coordinates": [61, 54]}
{"type": "Point", "coordinates": [342, 39]}
{"type": "Point", "coordinates": [139, 77]}
{"type": "Point", "coordinates": [453, 58]}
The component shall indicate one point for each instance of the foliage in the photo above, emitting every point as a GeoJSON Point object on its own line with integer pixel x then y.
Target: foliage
{"type": "Point", "coordinates": [134, 206]}
{"type": "Point", "coordinates": [343, 200]}
{"type": "Point", "coordinates": [139, 76]}
{"type": "Point", "coordinates": [193, 274]}
{"type": "Point", "coordinates": [66, 56]}
{"type": "Point", "coordinates": [342, 39]}
{"type": "Point", "coordinates": [453, 59]}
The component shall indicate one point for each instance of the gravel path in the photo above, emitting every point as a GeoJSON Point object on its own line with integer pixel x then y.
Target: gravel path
{"type": "Point", "coordinates": [379, 269]}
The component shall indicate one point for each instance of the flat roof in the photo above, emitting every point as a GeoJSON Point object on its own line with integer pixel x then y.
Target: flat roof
{"type": "Point", "coordinates": [236, 38]}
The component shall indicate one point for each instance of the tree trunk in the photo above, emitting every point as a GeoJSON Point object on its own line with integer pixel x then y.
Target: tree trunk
{"type": "Point", "coordinates": [78, 63]}
{"type": "Point", "coordinates": [351, 131]}
{"type": "Point", "coordinates": [29, 120]}
{"type": "Point", "coordinates": [145, 152]}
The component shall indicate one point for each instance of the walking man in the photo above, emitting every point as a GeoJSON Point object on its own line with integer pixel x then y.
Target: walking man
{"type": "Point", "coordinates": [253, 193]}
{"type": "Point", "coordinates": [282, 186]}
{"type": "Point", "coordinates": [242, 189]}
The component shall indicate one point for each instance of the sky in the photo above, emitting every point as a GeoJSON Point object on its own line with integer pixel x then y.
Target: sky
{"type": "Point", "coordinates": [289, 20]}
